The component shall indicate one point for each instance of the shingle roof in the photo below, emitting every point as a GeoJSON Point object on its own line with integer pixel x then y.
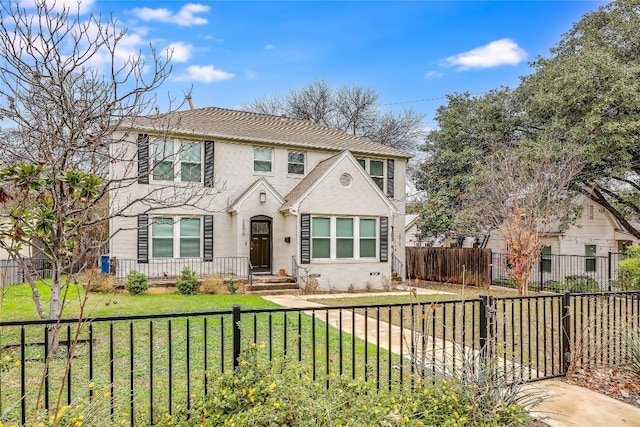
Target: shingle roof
{"type": "Point", "coordinates": [212, 122]}
{"type": "Point", "coordinates": [306, 182]}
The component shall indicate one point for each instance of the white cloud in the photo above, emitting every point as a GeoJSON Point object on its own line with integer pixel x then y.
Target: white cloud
{"type": "Point", "coordinates": [179, 52]}
{"type": "Point", "coordinates": [72, 6]}
{"type": "Point", "coordinates": [186, 17]}
{"type": "Point", "coordinates": [494, 54]}
{"type": "Point", "coordinates": [251, 74]}
{"type": "Point", "coordinates": [270, 46]}
{"type": "Point", "coordinates": [204, 74]}
{"type": "Point", "coordinates": [433, 75]}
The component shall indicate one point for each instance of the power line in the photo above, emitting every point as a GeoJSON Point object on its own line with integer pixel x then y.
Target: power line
{"type": "Point", "coordinates": [430, 99]}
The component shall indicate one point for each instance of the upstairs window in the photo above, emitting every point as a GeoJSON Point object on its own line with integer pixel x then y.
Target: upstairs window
{"type": "Point", "coordinates": [191, 165]}
{"type": "Point", "coordinates": [375, 168]}
{"type": "Point", "coordinates": [262, 159]}
{"type": "Point", "coordinates": [176, 161]}
{"type": "Point", "coordinates": [163, 159]}
{"type": "Point", "coordinates": [295, 163]}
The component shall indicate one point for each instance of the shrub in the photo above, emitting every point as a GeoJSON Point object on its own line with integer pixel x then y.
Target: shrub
{"type": "Point", "coordinates": [282, 392]}
{"type": "Point", "coordinates": [575, 284]}
{"type": "Point", "coordinates": [187, 283]}
{"type": "Point", "coordinates": [212, 285]}
{"type": "Point", "coordinates": [506, 283]}
{"type": "Point", "coordinates": [632, 356]}
{"type": "Point", "coordinates": [137, 282]}
{"type": "Point", "coordinates": [311, 287]}
{"type": "Point", "coordinates": [629, 272]}
{"type": "Point", "coordinates": [94, 281]}
{"type": "Point", "coordinates": [232, 286]}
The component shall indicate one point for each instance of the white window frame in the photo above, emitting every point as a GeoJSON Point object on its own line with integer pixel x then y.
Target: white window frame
{"type": "Point", "coordinates": [304, 161]}
{"type": "Point", "coordinates": [367, 168]}
{"type": "Point", "coordinates": [333, 238]}
{"type": "Point", "coordinates": [176, 236]}
{"type": "Point", "coordinates": [271, 151]}
{"type": "Point", "coordinates": [176, 159]}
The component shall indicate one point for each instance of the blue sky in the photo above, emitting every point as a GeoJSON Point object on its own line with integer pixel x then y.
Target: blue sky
{"type": "Point", "coordinates": [235, 51]}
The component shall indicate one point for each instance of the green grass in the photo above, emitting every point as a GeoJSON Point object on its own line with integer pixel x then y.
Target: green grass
{"type": "Point", "coordinates": [300, 335]}
{"type": "Point", "coordinates": [17, 303]}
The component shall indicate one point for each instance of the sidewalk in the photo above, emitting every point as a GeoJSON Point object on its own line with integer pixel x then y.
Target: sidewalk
{"type": "Point", "coordinates": [568, 405]}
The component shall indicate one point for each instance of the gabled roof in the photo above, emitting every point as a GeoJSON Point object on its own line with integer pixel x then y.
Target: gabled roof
{"type": "Point", "coordinates": [315, 176]}
{"type": "Point", "coordinates": [212, 122]}
{"type": "Point", "coordinates": [261, 182]}
{"type": "Point", "coordinates": [410, 219]}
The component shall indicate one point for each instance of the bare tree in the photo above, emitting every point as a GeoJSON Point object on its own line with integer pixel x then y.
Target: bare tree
{"type": "Point", "coordinates": [69, 100]}
{"type": "Point", "coordinates": [351, 109]}
{"type": "Point", "coordinates": [523, 193]}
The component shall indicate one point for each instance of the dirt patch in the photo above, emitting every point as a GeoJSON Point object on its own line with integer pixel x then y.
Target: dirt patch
{"type": "Point", "coordinates": [617, 383]}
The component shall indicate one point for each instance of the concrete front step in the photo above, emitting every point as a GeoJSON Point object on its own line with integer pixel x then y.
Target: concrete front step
{"type": "Point", "coordinates": [258, 278]}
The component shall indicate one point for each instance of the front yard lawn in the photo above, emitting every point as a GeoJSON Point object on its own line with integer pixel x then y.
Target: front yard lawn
{"type": "Point", "coordinates": [18, 305]}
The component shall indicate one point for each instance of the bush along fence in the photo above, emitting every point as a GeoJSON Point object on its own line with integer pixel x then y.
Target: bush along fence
{"type": "Point", "coordinates": [557, 273]}
{"type": "Point", "coordinates": [144, 368]}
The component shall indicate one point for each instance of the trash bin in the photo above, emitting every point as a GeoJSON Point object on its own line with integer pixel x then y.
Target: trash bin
{"type": "Point", "coordinates": [104, 264]}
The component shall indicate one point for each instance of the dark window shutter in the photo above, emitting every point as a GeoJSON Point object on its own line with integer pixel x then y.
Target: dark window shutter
{"type": "Point", "coordinates": [390, 176]}
{"type": "Point", "coordinates": [208, 238]}
{"type": "Point", "coordinates": [208, 163]}
{"type": "Point", "coordinates": [384, 239]}
{"type": "Point", "coordinates": [143, 239]}
{"type": "Point", "coordinates": [305, 238]}
{"type": "Point", "coordinates": [143, 158]}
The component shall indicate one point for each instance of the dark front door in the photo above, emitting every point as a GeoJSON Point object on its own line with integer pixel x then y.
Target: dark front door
{"type": "Point", "coordinates": [261, 245]}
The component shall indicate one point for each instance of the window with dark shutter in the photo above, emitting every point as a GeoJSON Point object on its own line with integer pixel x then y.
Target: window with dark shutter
{"type": "Point", "coordinates": [208, 163]}
{"type": "Point", "coordinates": [143, 158]}
{"type": "Point", "coordinates": [384, 239]}
{"type": "Point", "coordinates": [143, 239]}
{"type": "Point", "coordinates": [208, 238]}
{"type": "Point", "coordinates": [305, 238]}
{"type": "Point", "coordinates": [390, 175]}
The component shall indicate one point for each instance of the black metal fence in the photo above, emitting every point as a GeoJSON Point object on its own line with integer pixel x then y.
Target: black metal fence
{"type": "Point", "coordinates": [11, 272]}
{"type": "Point", "coordinates": [144, 367]}
{"type": "Point", "coordinates": [155, 269]}
{"type": "Point", "coordinates": [557, 273]}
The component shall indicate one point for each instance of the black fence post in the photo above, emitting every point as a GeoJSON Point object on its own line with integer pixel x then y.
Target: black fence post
{"type": "Point", "coordinates": [540, 258]}
{"type": "Point", "coordinates": [236, 335]}
{"type": "Point", "coordinates": [566, 331]}
{"type": "Point", "coordinates": [609, 273]}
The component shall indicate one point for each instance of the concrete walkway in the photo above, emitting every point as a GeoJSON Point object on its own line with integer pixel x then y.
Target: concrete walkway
{"type": "Point", "coordinates": [566, 406]}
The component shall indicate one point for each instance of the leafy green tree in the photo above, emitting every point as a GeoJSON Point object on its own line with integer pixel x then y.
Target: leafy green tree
{"type": "Point", "coordinates": [586, 94]}
{"type": "Point", "coordinates": [470, 128]}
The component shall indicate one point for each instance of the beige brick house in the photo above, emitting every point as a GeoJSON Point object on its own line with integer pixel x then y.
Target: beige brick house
{"type": "Point", "coordinates": [284, 193]}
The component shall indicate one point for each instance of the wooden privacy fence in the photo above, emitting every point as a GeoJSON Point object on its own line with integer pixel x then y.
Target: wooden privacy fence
{"type": "Point", "coordinates": [469, 266]}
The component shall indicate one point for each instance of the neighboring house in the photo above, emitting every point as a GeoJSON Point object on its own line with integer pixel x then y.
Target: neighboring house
{"type": "Point", "coordinates": [291, 194]}
{"type": "Point", "coordinates": [595, 233]}
{"type": "Point", "coordinates": [582, 249]}
{"type": "Point", "coordinates": [412, 232]}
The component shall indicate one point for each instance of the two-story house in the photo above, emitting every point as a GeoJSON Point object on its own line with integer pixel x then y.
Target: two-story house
{"type": "Point", "coordinates": [285, 193]}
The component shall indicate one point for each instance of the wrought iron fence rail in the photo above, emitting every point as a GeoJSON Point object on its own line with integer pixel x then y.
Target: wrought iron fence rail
{"type": "Point", "coordinates": [151, 364]}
